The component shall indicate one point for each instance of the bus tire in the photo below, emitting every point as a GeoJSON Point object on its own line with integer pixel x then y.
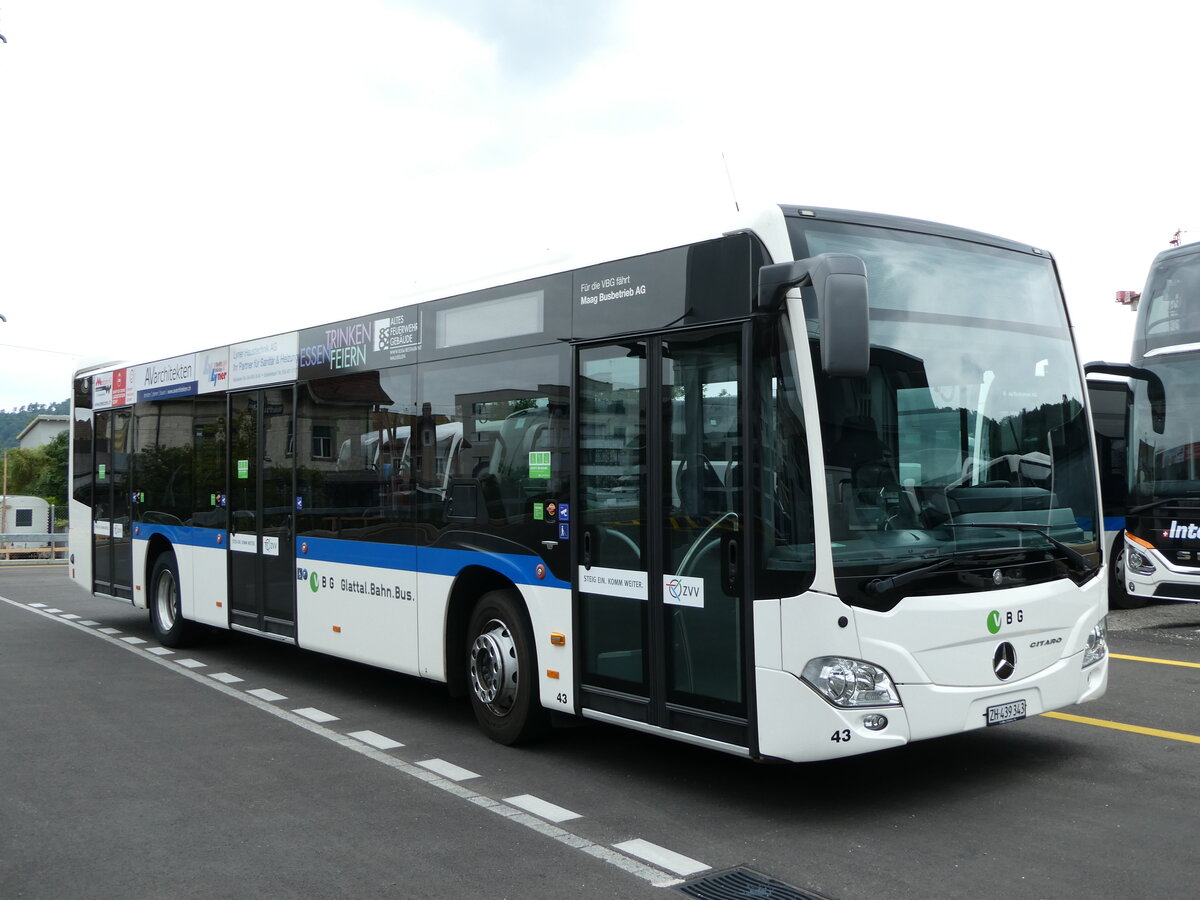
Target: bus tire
{"type": "Point", "coordinates": [1118, 597]}
{"type": "Point", "coordinates": [500, 670]}
{"type": "Point", "coordinates": [170, 627]}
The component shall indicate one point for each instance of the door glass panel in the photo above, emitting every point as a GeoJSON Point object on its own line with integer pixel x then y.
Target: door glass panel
{"type": "Point", "coordinates": [122, 529]}
{"type": "Point", "coordinates": [244, 586]}
{"type": "Point", "coordinates": [701, 520]}
{"type": "Point", "coordinates": [612, 488]}
{"type": "Point", "coordinates": [102, 510]}
{"type": "Point", "coordinates": [278, 504]}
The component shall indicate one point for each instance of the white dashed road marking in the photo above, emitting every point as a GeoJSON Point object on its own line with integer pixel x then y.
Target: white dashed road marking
{"type": "Point", "coordinates": [378, 741]}
{"type": "Point", "coordinates": [266, 694]}
{"type": "Point", "coordinates": [660, 856]}
{"type": "Point", "coordinates": [133, 640]}
{"type": "Point", "coordinates": [109, 630]}
{"type": "Point", "coordinates": [542, 808]}
{"type": "Point", "coordinates": [447, 769]}
{"type": "Point", "coordinates": [226, 678]}
{"type": "Point", "coordinates": [158, 651]}
{"type": "Point", "coordinates": [190, 663]}
{"type": "Point", "coordinates": [315, 714]}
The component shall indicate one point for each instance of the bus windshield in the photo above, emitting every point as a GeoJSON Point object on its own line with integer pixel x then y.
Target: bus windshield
{"type": "Point", "coordinates": [970, 420]}
{"type": "Point", "coordinates": [1169, 315]}
{"type": "Point", "coordinates": [1166, 466]}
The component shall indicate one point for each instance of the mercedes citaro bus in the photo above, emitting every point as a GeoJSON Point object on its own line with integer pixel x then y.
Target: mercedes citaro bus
{"type": "Point", "coordinates": [819, 486]}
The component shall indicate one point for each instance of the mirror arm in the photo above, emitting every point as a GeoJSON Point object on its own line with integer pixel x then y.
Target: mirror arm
{"type": "Point", "coordinates": [1155, 392]}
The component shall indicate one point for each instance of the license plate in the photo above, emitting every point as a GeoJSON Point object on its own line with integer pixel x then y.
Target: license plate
{"type": "Point", "coordinates": [1006, 712]}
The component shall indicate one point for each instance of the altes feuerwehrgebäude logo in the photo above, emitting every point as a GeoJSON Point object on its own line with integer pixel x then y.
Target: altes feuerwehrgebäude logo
{"type": "Point", "coordinates": [359, 345]}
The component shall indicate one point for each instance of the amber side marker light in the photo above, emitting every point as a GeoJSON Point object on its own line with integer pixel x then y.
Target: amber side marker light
{"type": "Point", "coordinates": [558, 639]}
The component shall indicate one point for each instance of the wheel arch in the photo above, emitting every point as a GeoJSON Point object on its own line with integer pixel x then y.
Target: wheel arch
{"type": "Point", "coordinates": [156, 546]}
{"type": "Point", "coordinates": [470, 585]}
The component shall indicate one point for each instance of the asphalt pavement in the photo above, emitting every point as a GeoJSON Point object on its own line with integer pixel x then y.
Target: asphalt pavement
{"type": "Point", "coordinates": [246, 768]}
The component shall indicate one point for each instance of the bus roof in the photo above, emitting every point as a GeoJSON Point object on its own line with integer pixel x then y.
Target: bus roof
{"type": "Point", "coordinates": [904, 223]}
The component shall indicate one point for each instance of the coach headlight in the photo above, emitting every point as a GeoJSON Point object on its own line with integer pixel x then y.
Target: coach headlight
{"type": "Point", "coordinates": [850, 682]}
{"type": "Point", "coordinates": [1136, 557]}
{"type": "Point", "coordinates": [1097, 644]}
{"type": "Point", "coordinates": [1138, 562]}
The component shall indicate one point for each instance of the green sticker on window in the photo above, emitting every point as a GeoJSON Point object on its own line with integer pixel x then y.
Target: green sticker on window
{"type": "Point", "coordinates": [243, 468]}
{"type": "Point", "coordinates": [538, 512]}
{"type": "Point", "coordinates": [539, 463]}
{"type": "Point", "coordinates": [103, 471]}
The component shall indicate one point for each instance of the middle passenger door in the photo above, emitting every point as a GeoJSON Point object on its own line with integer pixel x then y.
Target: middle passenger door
{"type": "Point", "coordinates": [662, 617]}
{"type": "Point", "coordinates": [262, 582]}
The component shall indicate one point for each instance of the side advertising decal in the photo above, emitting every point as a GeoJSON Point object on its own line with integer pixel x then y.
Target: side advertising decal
{"type": "Point", "coordinates": [264, 361]}
{"type": "Point", "coordinates": [359, 345]}
{"type": "Point", "coordinates": [164, 380]}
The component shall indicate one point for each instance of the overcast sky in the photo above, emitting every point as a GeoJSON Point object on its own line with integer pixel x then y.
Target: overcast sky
{"type": "Point", "coordinates": [181, 175]}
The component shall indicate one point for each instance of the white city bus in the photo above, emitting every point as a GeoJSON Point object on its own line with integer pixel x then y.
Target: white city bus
{"type": "Point", "coordinates": [1158, 553]}
{"type": "Point", "coordinates": [721, 492]}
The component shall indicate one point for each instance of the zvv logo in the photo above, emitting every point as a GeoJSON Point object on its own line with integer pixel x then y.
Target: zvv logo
{"type": "Point", "coordinates": [680, 590]}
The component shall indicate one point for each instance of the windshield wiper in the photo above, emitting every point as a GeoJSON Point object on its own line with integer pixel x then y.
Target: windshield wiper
{"type": "Point", "coordinates": [1076, 560]}
{"type": "Point", "coordinates": [882, 585]}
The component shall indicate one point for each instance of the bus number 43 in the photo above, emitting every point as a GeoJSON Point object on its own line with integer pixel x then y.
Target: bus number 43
{"type": "Point", "coordinates": [842, 734]}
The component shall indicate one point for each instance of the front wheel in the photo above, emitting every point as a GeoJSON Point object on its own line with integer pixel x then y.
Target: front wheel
{"type": "Point", "coordinates": [170, 627]}
{"type": "Point", "coordinates": [501, 670]}
{"type": "Point", "coordinates": [1118, 597]}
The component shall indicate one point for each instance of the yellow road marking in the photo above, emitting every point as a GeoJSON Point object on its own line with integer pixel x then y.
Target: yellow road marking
{"type": "Point", "coordinates": [1121, 726]}
{"type": "Point", "coordinates": [1163, 662]}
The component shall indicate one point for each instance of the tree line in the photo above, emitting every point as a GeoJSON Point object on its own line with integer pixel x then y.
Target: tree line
{"type": "Point", "coordinates": [13, 421]}
{"type": "Point", "coordinates": [37, 471]}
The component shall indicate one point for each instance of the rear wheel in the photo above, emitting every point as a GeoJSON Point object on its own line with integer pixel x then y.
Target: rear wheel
{"type": "Point", "coordinates": [171, 629]}
{"type": "Point", "coordinates": [500, 670]}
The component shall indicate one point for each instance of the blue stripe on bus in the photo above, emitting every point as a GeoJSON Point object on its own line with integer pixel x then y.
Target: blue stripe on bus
{"type": "Point", "coordinates": [1111, 523]}
{"type": "Point", "coordinates": [184, 535]}
{"type": "Point", "coordinates": [519, 568]}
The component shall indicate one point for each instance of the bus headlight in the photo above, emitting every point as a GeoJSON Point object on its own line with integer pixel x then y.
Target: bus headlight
{"type": "Point", "coordinates": [851, 682]}
{"type": "Point", "coordinates": [1097, 644]}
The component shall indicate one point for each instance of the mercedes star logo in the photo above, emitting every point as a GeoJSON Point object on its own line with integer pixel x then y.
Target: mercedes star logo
{"type": "Point", "coordinates": [1004, 661]}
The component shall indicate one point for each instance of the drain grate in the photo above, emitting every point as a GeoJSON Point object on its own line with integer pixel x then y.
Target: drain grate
{"type": "Point", "coordinates": [742, 884]}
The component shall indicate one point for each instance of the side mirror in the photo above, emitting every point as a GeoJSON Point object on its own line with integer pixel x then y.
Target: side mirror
{"type": "Point", "coordinates": [1155, 392]}
{"type": "Point", "coordinates": [840, 283]}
